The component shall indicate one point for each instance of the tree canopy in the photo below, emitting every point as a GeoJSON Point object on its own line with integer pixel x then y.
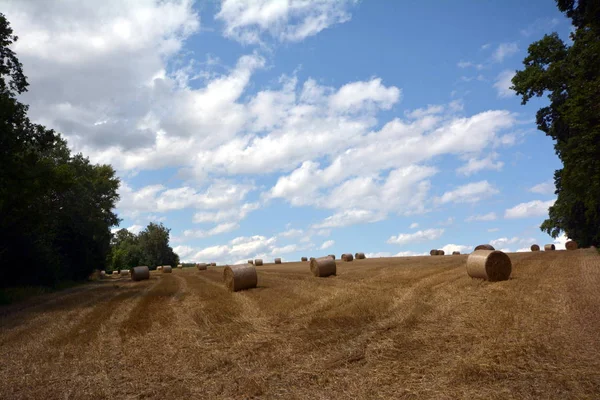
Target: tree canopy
{"type": "Point", "coordinates": [570, 77]}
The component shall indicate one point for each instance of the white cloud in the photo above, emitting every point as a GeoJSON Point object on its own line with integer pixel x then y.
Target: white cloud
{"type": "Point", "coordinates": [501, 243]}
{"type": "Point", "coordinates": [409, 254]}
{"type": "Point", "coordinates": [540, 25]}
{"type": "Point", "coordinates": [504, 50]}
{"type": "Point", "coordinates": [292, 233]}
{"type": "Point", "coordinates": [419, 236]}
{"type": "Point", "coordinates": [469, 64]}
{"type": "Point", "coordinates": [544, 188]}
{"type": "Point", "coordinates": [238, 248]}
{"type": "Point", "coordinates": [474, 164]}
{"type": "Point", "coordinates": [378, 254]}
{"type": "Point", "coordinates": [358, 95]}
{"type": "Point", "coordinates": [560, 242]}
{"type": "Point", "coordinates": [485, 217]}
{"type": "Point", "coordinates": [349, 217]}
{"type": "Point", "coordinates": [535, 208]}
{"type": "Point", "coordinates": [220, 194]}
{"type": "Point", "coordinates": [485, 46]}
{"type": "Point", "coordinates": [247, 21]}
{"type": "Point", "coordinates": [449, 248]}
{"type": "Point", "coordinates": [493, 230]}
{"type": "Point", "coordinates": [184, 252]}
{"type": "Point", "coordinates": [327, 244]}
{"type": "Point", "coordinates": [469, 193]}
{"type": "Point", "coordinates": [504, 82]}
{"type": "Point", "coordinates": [135, 229]}
{"type": "Point", "coordinates": [217, 230]}
{"type": "Point", "coordinates": [447, 222]}
{"type": "Point", "coordinates": [414, 225]}
{"type": "Point", "coordinates": [233, 214]}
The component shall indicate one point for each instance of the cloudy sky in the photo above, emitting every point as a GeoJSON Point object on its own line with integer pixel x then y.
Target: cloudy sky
{"type": "Point", "coordinates": [285, 128]}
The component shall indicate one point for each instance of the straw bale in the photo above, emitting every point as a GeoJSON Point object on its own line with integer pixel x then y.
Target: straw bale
{"type": "Point", "coordinates": [332, 256]}
{"type": "Point", "coordinates": [484, 247]}
{"type": "Point", "coordinates": [240, 277]}
{"type": "Point", "coordinates": [124, 272]}
{"type": "Point", "coordinates": [278, 261]}
{"type": "Point", "coordinates": [304, 259]}
{"type": "Point", "coordinates": [213, 264]}
{"type": "Point", "coordinates": [140, 273]}
{"type": "Point", "coordinates": [258, 261]}
{"type": "Point", "coordinates": [433, 252]}
{"type": "Point", "coordinates": [347, 257]}
{"type": "Point", "coordinates": [250, 262]}
{"type": "Point", "coordinates": [535, 247]}
{"type": "Point", "coordinates": [312, 258]}
{"type": "Point", "coordinates": [441, 252]}
{"type": "Point", "coordinates": [490, 265]}
{"type": "Point", "coordinates": [323, 266]}
{"type": "Point", "coordinates": [549, 247]}
{"type": "Point", "coordinates": [571, 245]}
{"type": "Point", "coordinates": [159, 268]}
{"type": "Point", "coordinates": [167, 269]}
{"type": "Point", "coordinates": [360, 256]}
{"type": "Point", "coordinates": [456, 253]}
{"type": "Point", "coordinates": [202, 266]}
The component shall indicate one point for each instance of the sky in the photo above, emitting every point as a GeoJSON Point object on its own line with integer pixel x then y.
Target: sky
{"type": "Point", "coordinates": [289, 128]}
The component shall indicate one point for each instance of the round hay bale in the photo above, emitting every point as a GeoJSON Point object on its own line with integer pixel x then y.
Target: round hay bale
{"type": "Point", "coordinates": [240, 277]}
{"type": "Point", "coordinates": [571, 245]}
{"type": "Point", "coordinates": [535, 247]}
{"type": "Point", "coordinates": [549, 247]}
{"type": "Point", "coordinates": [456, 253]}
{"type": "Point", "coordinates": [278, 261]}
{"type": "Point", "coordinates": [323, 266]}
{"type": "Point", "coordinates": [332, 256]}
{"type": "Point", "coordinates": [167, 269]}
{"type": "Point", "coordinates": [159, 268]}
{"type": "Point", "coordinates": [347, 257]}
{"type": "Point", "coordinates": [433, 252]}
{"type": "Point", "coordinates": [202, 266]}
{"type": "Point", "coordinates": [304, 259]}
{"type": "Point", "coordinates": [250, 262]}
{"type": "Point", "coordinates": [213, 264]}
{"type": "Point", "coordinates": [312, 258]}
{"type": "Point", "coordinates": [140, 273]}
{"type": "Point", "coordinates": [102, 274]}
{"type": "Point", "coordinates": [441, 252]}
{"type": "Point", "coordinates": [124, 272]}
{"type": "Point", "coordinates": [490, 265]}
{"type": "Point", "coordinates": [360, 256]}
{"type": "Point", "coordinates": [485, 247]}
{"type": "Point", "coordinates": [179, 266]}
{"type": "Point", "coordinates": [258, 261]}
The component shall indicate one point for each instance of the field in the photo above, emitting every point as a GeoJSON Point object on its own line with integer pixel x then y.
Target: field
{"type": "Point", "coordinates": [397, 328]}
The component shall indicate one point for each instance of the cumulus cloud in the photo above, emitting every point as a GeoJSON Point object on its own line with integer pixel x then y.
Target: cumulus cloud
{"type": "Point", "coordinates": [504, 82]}
{"type": "Point", "coordinates": [414, 225]}
{"type": "Point", "coordinates": [419, 236]}
{"type": "Point", "coordinates": [349, 217]}
{"type": "Point", "coordinates": [449, 248]}
{"type": "Point", "coordinates": [469, 64]}
{"type": "Point", "coordinates": [286, 21]}
{"type": "Point", "coordinates": [327, 244]}
{"type": "Point", "coordinates": [504, 50]}
{"type": "Point", "coordinates": [475, 164]}
{"type": "Point", "coordinates": [535, 208]}
{"type": "Point", "coordinates": [502, 243]}
{"type": "Point", "coordinates": [217, 230]}
{"type": "Point", "coordinates": [469, 193]}
{"type": "Point", "coordinates": [544, 188]}
{"type": "Point", "coordinates": [485, 217]}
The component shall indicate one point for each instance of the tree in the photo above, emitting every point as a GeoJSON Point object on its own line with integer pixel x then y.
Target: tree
{"type": "Point", "coordinates": [55, 208]}
{"type": "Point", "coordinates": [150, 247]}
{"type": "Point", "coordinates": [570, 76]}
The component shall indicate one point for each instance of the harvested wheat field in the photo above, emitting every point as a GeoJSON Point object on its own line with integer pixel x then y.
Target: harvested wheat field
{"type": "Point", "coordinates": [391, 328]}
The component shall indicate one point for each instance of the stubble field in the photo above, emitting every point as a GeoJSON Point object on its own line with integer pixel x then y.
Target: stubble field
{"type": "Point", "coordinates": [390, 328]}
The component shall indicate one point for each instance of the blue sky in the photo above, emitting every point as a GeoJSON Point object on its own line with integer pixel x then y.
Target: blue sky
{"type": "Point", "coordinates": [275, 128]}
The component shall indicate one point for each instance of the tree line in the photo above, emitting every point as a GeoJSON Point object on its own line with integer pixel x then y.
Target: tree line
{"type": "Point", "coordinates": [56, 208]}
{"type": "Point", "coordinates": [570, 77]}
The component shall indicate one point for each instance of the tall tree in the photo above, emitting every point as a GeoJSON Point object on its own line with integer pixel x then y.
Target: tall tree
{"type": "Point", "coordinates": [55, 208]}
{"type": "Point", "coordinates": [154, 241]}
{"type": "Point", "coordinates": [570, 76]}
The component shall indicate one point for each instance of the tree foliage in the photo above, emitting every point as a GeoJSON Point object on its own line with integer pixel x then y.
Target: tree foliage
{"type": "Point", "coordinates": [150, 247]}
{"type": "Point", "coordinates": [570, 77]}
{"type": "Point", "coordinates": [55, 207]}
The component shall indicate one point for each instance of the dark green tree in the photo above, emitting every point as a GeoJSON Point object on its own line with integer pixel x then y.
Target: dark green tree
{"type": "Point", "coordinates": [55, 208]}
{"type": "Point", "coordinates": [570, 77]}
{"type": "Point", "coordinates": [154, 241]}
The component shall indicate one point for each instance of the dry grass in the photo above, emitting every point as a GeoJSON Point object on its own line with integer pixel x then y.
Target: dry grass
{"type": "Point", "coordinates": [398, 328]}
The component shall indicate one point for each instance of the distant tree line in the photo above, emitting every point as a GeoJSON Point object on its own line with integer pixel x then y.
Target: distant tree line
{"type": "Point", "coordinates": [150, 247]}
{"type": "Point", "coordinates": [56, 208]}
{"type": "Point", "coordinates": [570, 76]}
